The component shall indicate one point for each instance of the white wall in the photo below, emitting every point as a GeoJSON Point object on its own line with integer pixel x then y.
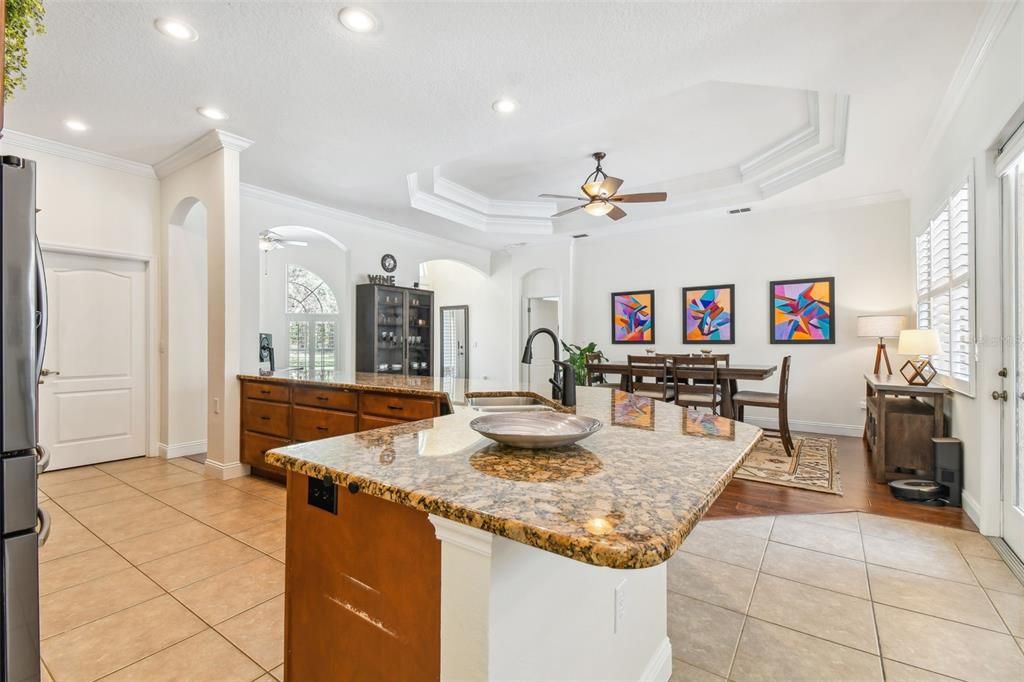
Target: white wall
{"type": "Point", "coordinates": [864, 247]}
{"type": "Point", "coordinates": [183, 428]}
{"type": "Point", "coordinates": [455, 283]}
{"type": "Point", "coordinates": [990, 101]}
{"type": "Point", "coordinates": [321, 258]}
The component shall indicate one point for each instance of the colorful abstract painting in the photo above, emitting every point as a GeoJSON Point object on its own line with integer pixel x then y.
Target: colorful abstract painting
{"type": "Point", "coordinates": [708, 314]}
{"type": "Point", "coordinates": [802, 310]}
{"type": "Point", "coordinates": [633, 317]}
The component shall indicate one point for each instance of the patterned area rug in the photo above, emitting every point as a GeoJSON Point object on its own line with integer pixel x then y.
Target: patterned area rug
{"type": "Point", "coordinates": [813, 465]}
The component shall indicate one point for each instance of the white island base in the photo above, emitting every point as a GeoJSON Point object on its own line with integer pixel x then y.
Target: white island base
{"type": "Point", "coordinates": [514, 612]}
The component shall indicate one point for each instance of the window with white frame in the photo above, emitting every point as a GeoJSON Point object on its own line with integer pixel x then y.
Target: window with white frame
{"type": "Point", "coordinates": [944, 273]}
{"type": "Point", "coordinates": [312, 312]}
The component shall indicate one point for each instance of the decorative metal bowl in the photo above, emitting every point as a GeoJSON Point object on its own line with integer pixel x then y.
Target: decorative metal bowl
{"type": "Point", "coordinates": [535, 430]}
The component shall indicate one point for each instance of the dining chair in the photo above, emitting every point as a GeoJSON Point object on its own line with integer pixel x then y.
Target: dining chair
{"type": "Point", "coordinates": [695, 381]}
{"type": "Point", "coordinates": [649, 367]}
{"type": "Point", "coordinates": [597, 377]}
{"type": "Point", "coordinates": [774, 401]}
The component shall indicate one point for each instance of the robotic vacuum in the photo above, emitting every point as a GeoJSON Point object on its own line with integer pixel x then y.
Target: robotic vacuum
{"type": "Point", "coordinates": [916, 490]}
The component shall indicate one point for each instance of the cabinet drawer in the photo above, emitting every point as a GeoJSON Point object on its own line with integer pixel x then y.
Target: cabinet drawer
{"type": "Point", "coordinates": [314, 424]}
{"type": "Point", "coordinates": [397, 407]}
{"type": "Point", "coordinates": [329, 398]}
{"type": "Point", "coordinates": [366, 423]}
{"type": "Point", "coordinates": [264, 417]}
{"type": "Point", "coordinates": [255, 445]}
{"type": "Point", "coordinates": [265, 391]}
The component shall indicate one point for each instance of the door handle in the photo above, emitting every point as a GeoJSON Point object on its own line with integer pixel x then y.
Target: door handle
{"type": "Point", "coordinates": [44, 525]}
{"type": "Point", "coordinates": [43, 461]}
{"type": "Point", "coordinates": [47, 372]}
{"type": "Point", "coordinates": [1000, 395]}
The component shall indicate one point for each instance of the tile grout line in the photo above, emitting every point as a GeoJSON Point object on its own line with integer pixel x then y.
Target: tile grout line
{"type": "Point", "coordinates": [988, 598]}
{"type": "Point", "coordinates": [750, 599]}
{"type": "Point", "coordinates": [871, 600]}
{"type": "Point", "coordinates": [161, 587]}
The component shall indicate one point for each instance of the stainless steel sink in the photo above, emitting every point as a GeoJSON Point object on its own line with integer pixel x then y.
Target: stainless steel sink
{"type": "Point", "coordinates": [512, 403]}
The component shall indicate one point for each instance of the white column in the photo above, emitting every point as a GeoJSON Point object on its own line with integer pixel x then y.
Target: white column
{"type": "Point", "coordinates": [465, 600]}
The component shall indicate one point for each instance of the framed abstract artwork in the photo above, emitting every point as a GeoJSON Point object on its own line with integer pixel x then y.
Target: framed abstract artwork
{"type": "Point", "coordinates": [633, 317]}
{"type": "Point", "coordinates": [708, 314]}
{"type": "Point", "coordinates": [802, 310]}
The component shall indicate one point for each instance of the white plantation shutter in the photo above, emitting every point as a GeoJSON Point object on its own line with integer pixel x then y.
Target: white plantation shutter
{"type": "Point", "coordinates": [944, 270]}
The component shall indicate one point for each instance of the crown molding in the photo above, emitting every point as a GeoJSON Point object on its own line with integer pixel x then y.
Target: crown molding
{"type": "Point", "coordinates": [199, 148]}
{"type": "Point", "coordinates": [451, 201]}
{"type": "Point", "coordinates": [800, 141]}
{"type": "Point", "coordinates": [67, 151]}
{"type": "Point", "coordinates": [248, 191]}
{"type": "Point", "coordinates": [990, 24]}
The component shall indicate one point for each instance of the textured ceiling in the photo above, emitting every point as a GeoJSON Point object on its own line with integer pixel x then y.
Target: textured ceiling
{"type": "Point", "coordinates": [342, 118]}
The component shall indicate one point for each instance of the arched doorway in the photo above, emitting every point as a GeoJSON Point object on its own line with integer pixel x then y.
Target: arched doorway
{"type": "Point", "coordinates": [303, 283]}
{"type": "Point", "coordinates": [541, 306]}
{"type": "Point", "coordinates": [185, 325]}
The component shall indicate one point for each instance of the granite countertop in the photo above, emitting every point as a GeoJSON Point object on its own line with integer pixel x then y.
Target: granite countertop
{"type": "Point", "coordinates": [625, 497]}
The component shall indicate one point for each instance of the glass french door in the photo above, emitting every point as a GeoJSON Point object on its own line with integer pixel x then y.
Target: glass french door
{"type": "Point", "coordinates": [313, 345]}
{"type": "Point", "coordinates": [1012, 393]}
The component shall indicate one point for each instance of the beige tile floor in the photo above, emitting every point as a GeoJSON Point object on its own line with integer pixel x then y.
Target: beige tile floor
{"type": "Point", "coordinates": [844, 596]}
{"type": "Point", "coordinates": [154, 573]}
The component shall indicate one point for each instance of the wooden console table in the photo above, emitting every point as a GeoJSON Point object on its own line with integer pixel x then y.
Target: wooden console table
{"type": "Point", "coordinates": [884, 404]}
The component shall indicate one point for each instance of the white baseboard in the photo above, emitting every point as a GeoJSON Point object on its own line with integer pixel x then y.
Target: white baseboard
{"type": "Point", "coordinates": [659, 668]}
{"type": "Point", "coordinates": [195, 447]}
{"type": "Point", "coordinates": [225, 471]}
{"type": "Point", "coordinates": [853, 430]}
{"type": "Point", "coordinates": [972, 507]}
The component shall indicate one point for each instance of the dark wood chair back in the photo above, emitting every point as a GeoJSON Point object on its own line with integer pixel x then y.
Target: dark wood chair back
{"type": "Point", "coordinates": [784, 383]}
{"type": "Point", "coordinates": [694, 375]}
{"type": "Point", "coordinates": [651, 367]}
{"type": "Point", "coordinates": [723, 359]}
{"type": "Point", "coordinates": [594, 376]}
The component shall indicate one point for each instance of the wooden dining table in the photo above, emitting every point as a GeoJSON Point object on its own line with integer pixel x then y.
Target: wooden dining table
{"type": "Point", "coordinates": [727, 378]}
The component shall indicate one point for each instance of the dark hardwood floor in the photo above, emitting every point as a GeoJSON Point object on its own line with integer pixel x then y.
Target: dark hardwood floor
{"type": "Point", "coordinates": [860, 493]}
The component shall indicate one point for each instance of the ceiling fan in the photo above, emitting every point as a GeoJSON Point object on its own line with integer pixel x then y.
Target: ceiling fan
{"type": "Point", "coordinates": [600, 190]}
{"type": "Point", "coordinates": [270, 240]}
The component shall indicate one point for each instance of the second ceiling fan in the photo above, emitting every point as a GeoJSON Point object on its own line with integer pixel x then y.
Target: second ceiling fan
{"type": "Point", "coordinates": [601, 198]}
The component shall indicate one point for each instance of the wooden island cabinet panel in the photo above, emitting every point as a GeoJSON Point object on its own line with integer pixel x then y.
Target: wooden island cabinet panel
{"type": "Point", "coordinates": [277, 413]}
{"type": "Point", "coordinates": [363, 589]}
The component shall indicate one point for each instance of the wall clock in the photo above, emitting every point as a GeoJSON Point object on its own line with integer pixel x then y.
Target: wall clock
{"type": "Point", "coordinates": [388, 262]}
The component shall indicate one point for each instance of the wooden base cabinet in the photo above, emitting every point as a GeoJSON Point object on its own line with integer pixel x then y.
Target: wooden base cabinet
{"type": "Point", "coordinates": [275, 414]}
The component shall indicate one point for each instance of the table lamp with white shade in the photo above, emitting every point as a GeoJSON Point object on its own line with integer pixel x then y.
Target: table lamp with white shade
{"type": "Point", "coordinates": [881, 327]}
{"type": "Point", "coordinates": [921, 343]}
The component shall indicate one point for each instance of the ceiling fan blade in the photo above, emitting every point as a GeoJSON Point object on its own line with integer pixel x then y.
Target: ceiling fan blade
{"type": "Point", "coordinates": [291, 242]}
{"type": "Point", "coordinates": [616, 213]}
{"type": "Point", "coordinates": [561, 196]}
{"type": "Point", "coordinates": [566, 211]}
{"type": "Point", "coordinates": [641, 197]}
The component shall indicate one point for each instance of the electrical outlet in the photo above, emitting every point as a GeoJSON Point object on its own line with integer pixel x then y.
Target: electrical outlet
{"type": "Point", "coordinates": [863, 404]}
{"type": "Point", "coordinates": [620, 607]}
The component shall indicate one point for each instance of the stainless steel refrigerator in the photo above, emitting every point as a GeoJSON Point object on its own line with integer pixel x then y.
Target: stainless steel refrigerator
{"type": "Point", "coordinates": [23, 329]}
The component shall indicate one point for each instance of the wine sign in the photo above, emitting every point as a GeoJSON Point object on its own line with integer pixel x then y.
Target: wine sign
{"type": "Point", "coordinates": [389, 280]}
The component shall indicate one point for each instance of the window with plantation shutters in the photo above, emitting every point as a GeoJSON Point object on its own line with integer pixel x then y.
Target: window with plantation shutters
{"type": "Point", "coordinates": [943, 255]}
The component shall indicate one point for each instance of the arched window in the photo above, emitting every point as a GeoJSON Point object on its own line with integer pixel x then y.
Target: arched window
{"type": "Point", "coordinates": [312, 311]}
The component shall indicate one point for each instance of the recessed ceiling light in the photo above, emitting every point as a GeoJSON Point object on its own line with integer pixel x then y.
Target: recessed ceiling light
{"type": "Point", "coordinates": [179, 30]}
{"type": "Point", "coordinates": [212, 113]}
{"type": "Point", "coordinates": [357, 19]}
{"type": "Point", "coordinates": [505, 105]}
{"type": "Point", "coordinates": [76, 125]}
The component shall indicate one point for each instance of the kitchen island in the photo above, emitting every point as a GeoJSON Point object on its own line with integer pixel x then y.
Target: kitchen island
{"type": "Point", "coordinates": [425, 551]}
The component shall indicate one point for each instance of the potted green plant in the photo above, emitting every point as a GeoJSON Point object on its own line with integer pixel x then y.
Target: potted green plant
{"type": "Point", "coordinates": [578, 359]}
{"type": "Point", "coordinates": [23, 18]}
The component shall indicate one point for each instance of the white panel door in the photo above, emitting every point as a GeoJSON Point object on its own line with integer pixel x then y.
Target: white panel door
{"type": "Point", "coordinates": [1012, 392]}
{"type": "Point", "coordinates": [92, 403]}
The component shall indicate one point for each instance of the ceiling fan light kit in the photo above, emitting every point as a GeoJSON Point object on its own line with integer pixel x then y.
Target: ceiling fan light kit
{"type": "Point", "coordinates": [600, 190]}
